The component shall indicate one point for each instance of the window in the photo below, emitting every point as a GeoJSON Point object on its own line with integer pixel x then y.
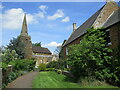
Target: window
{"type": "Point", "coordinates": [109, 44]}
{"type": "Point", "coordinates": [66, 51]}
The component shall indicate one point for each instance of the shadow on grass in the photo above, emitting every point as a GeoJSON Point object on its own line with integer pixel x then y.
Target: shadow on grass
{"type": "Point", "coordinates": [70, 79]}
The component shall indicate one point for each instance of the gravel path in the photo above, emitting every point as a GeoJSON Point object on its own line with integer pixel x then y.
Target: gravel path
{"type": "Point", "coordinates": [24, 81]}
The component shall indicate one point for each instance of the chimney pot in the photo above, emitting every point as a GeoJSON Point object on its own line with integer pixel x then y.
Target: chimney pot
{"type": "Point", "coordinates": [74, 26]}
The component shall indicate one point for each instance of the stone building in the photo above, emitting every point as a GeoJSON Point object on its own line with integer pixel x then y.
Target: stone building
{"type": "Point", "coordinates": [101, 18]}
{"type": "Point", "coordinates": [40, 54]}
{"type": "Point", "coordinates": [112, 27]}
{"type": "Point", "coordinates": [26, 40]}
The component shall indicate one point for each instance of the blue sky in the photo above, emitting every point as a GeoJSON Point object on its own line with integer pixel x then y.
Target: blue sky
{"type": "Point", "coordinates": [48, 22]}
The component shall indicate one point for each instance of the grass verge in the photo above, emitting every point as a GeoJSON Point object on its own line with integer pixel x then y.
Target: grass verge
{"type": "Point", "coordinates": [53, 80]}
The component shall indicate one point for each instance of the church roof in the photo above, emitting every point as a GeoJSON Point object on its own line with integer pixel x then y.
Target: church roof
{"type": "Point", "coordinates": [82, 29]}
{"type": "Point", "coordinates": [38, 49]}
{"type": "Point", "coordinates": [114, 18]}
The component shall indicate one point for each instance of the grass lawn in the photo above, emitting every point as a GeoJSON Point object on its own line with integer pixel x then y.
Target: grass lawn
{"type": "Point", "coordinates": [54, 80]}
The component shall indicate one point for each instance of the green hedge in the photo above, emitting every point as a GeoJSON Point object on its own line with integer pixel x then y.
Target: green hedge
{"type": "Point", "coordinates": [42, 67]}
{"type": "Point", "coordinates": [23, 65]}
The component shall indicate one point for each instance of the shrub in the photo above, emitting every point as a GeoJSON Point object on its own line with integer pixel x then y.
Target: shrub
{"type": "Point", "coordinates": [42, 67]}
{"type": "Point", "coordinates": [11, 76]}
{"type": "Point", "coordinates": [23, 65]}
{"type": "Point", "coordinates": [90, 57]}
{"type": "Point", "coordinates": [52, 64]}
{"type": "Point", "coordinates": [3, 66]}
{"type": "Point", "coordinates": [8, 56]}
{"type": "Point", "coordinates": [59, 71]}
{"type": "Point", "coordinates": [60, 64]}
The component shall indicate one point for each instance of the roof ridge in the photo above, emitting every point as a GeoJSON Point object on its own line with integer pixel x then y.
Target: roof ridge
{"type": "Point", "coordinates": [81, 26]}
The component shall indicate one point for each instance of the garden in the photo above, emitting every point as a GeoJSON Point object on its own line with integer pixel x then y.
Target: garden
{"type": "Point", "coordinates": [88, 65]}
{"type": "Point", "coordinates": [13, 66]}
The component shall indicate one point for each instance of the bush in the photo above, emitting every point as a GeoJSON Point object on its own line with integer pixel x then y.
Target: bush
{"type": "Point", "coordinates": [11, 76]}
{"type": "Point", "coordinates": [3, 66]}
{"type": "Point", "coordinates": [8, 56]}
{"type": "Point", "coordinates": [42, 67]}
{"type": "Point", "coordinates": [91, 57]}
{"type": "Point", "coordinates": [23, 65]}
{"type": "Point", "coordinates": [60, 64]}
{"type": "Point", "coordinates": [59, 71]}
{"type": "Point", "coordinates": [52, 64]}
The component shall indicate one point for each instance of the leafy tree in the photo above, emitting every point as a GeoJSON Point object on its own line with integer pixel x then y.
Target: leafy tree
{"type": "Point", "coordinates": [90, 57]}
{"type": "Point", "coordinates": [8, 56]}
{"type": "Point", "coordinates": [37, 44]}
{"type": "Point", "coordinates": [58, 50]}
{"type": "Point", "coordinates": [17, 45]}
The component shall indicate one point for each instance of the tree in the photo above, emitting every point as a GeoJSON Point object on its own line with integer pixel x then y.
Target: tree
{"type": "Point", "coordinates": [8, 56]}
{"type": "Point", "coordinates": [90, 57]}
{"type": "Point", "coordinates": [37, 44]}
{"type": "Point", "coordinates": [17, 45]}
{"type": "Point", "coordinates": [58, 49]}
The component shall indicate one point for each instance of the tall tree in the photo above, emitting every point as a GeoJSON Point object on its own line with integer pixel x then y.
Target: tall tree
{"type": "Point", "coordinates": [58, 49]}
{"type": "Point", "coordinates": [37, 44]}
{"type": "Point", "coordinates": [18, 46]}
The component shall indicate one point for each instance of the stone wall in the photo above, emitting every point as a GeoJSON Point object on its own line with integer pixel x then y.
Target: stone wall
{"type": "Point", "coordinates": [77, 41]}
{"type": "Point", "coordinates": [5, 74]}
{"type": "Point", "coordinates": [115, 38]}
{"type": "Point", "coordinates": [27, 46]}
{"type": "Point", "coordinates": [105, 13]}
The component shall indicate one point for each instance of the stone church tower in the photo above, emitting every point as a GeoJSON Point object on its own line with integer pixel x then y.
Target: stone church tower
{"type": "Point", "coordinates": [26, 40]}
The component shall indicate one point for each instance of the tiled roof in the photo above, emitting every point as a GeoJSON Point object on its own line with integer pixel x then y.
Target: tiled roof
{"type": "Point", "coordinates": [82, 29]}
{"type": "Point", "coordinates": [38, 49]}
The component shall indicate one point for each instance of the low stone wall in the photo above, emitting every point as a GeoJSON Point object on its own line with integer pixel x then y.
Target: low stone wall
{"type": "Point", "coordinates": [5, 73]}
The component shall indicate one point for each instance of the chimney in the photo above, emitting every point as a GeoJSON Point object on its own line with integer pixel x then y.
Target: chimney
{"type": "Point", "coordinates": [109, 0]}
{"type": "Point", "coordinates": [74, 27]}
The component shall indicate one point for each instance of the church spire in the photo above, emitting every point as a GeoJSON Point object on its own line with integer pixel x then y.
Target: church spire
{"type": "Point", "coordinates": [24, 31]}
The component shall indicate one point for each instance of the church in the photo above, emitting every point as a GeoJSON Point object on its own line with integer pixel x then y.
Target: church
{"type": "Point", "coordinates": [40, 54]}
{"type": "Point", "coordinates": [108, 17]}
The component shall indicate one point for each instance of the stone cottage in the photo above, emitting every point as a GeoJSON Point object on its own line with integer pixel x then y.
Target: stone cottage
{"type": "Point", "coordinates": [107, 16]}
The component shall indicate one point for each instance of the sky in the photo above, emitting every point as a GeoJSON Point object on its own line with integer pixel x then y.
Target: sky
{"type": "Point", "coordinates": [48, 22]}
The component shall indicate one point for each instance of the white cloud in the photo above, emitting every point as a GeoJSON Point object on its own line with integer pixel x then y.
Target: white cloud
{"type": "Point", "coordinates": [66, 19]}
{"type": "Point", "coordinates": [58, 14]}
{"type": "Point", "coordinates": [13, 18]}
{"type": "Point", "coordinates": [40, 15]}
{"type": "Point", "coordinates": [52, 44]}
{"type": "Point", "coordinates": [43, 8]}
